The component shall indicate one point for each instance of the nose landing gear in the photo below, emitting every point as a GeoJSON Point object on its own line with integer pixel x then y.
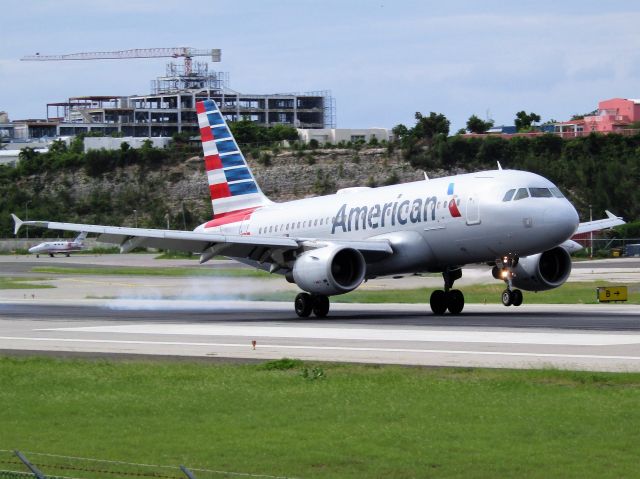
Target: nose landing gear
{"type": "Point", "coordinates": [449, 299]}
{"type": "Point", "coordinates": [504, 271]}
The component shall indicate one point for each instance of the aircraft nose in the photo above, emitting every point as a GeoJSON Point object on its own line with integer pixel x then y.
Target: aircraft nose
{"type": "Point", "coordinates": [561, 220]}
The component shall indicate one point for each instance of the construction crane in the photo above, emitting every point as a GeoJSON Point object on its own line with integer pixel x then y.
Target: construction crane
{"type": "Point", "coordinates": [181, 52]}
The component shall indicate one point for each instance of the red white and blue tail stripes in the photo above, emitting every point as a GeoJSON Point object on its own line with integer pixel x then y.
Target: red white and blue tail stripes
{"type": "Point", "coordinates": [232, 186]}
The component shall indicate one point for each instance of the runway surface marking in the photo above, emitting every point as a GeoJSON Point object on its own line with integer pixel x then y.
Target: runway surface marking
{"type": "Point", "coordinates": [326, 348]}
{"type": "Point", "coordinates": [415, 335]}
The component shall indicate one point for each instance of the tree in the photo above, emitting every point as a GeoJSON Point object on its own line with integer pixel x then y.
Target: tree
{"type": "Point", "coordinates": [429, 126]}
{"type": "Point", "coordinates": [476, 125]}
{"type": "Point", "coordinates": [582, 115]}
{"type": "Point", "coordinates": [400, 132]}
{"type": "Point", "coordinates": [524, 120]}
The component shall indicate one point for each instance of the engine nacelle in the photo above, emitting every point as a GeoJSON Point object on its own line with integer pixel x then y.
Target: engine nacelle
{"type": "Point", "coordinates": [329, 270]}
{"type": "Point", "coordinates": [543, 271]}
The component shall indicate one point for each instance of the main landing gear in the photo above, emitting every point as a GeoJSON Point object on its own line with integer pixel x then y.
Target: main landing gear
{"type": "Point", "coordinates": [504, 271]}
{"type": "Point", "coordinates": [306, 303]}
{"type": "Point", "coordinates": [449, 299]}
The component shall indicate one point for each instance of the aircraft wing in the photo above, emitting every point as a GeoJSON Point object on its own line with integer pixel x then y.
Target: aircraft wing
{"type": "Point", "coordinates": [208, 245]}
{"type": "Point", "coordinates": [609, 222]}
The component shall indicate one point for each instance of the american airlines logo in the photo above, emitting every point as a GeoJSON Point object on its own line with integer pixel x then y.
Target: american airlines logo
{"type": "Point", "coordinates": [393, 213]}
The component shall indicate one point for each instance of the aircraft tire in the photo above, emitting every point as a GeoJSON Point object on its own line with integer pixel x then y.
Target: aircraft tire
{"type": "Point", "coordinates": [507, 297]}
{"type": "Point", "coordinates": [320, 305]}
{"type": "Point", "coordinates": [303, 305]}
{"type": "Point", "coordinates": [516, 297]}
{"type": "Point", "coordinates": [455, 301]}
{"type": "Point", "coordinates": [438, 302]}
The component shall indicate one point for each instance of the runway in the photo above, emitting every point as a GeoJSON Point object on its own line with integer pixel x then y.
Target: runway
{"type": "Point", "coordinates": [582, 337]}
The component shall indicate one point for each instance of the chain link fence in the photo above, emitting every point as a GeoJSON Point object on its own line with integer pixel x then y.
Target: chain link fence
{"type": "Point", "coordinates": [24, 464]}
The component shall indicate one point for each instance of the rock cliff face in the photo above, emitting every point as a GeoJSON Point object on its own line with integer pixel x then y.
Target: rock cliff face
{"type": "Point", "coordinates": [290, 176]}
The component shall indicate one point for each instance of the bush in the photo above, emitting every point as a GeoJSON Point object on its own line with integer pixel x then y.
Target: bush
{"type": "Point", "coordinates": [281, 364]}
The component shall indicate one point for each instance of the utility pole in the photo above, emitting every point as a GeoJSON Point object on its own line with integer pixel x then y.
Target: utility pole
{"type": "Point", "coordinates": [26, 215]}
{"type": "Point", "coordinates": [590, 235]}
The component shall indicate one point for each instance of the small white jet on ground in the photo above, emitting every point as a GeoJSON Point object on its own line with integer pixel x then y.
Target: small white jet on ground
{"type": "Point", "coordinates": [516, 222]}
{"type": "Point", "coordinates": [59, 247]}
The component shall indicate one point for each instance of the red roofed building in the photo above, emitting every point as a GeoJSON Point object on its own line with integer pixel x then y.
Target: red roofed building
{"type": "Point", "coordinates": [611, 116]}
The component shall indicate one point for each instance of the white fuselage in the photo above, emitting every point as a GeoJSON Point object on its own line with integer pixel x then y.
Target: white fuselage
{"type": "Point", "coordinates": [432, 223]}
{"type": "Point", "coordinates": [53, 247]}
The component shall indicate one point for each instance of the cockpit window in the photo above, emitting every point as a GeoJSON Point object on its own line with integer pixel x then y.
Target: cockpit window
{"type": "Point", "coordinates": [508, 195]}
{"type": "Point", "coordinates": [540, 193]}
{"type": "Point", "coordinates": [556, 192]}
{"type": "Point", "coordinates": [522, 193]}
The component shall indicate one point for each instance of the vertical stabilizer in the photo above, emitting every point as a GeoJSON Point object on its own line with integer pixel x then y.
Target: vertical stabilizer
{"type": "Point", "coordinates": [233, 188]}
{"type": "Point", "coordinates": [81, 237]}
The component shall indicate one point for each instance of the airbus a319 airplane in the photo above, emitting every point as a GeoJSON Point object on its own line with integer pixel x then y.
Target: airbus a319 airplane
{"type": "Point", "coordinates": [59, 247]}
{"type": "Point", "coordinates": [518, 223]}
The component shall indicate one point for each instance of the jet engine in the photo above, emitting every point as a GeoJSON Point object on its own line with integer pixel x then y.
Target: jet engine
{"type": "Point", "coordinates": [542, 271]}
{"type": "Point", "coordinates": [329, 270]}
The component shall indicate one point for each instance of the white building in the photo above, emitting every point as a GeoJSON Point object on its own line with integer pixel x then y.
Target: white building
{"type": "Point", "coordinates": [336, 135]}
{"type": "Point", "coordinates": [111, 143]}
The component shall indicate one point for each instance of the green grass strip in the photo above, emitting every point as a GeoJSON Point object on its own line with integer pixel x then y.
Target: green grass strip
{"type": "Point", "coordinates": [325, 420]}
{"type": "Point", "coordinates": [155, 271]}
{"type": "Point", "coordinates": [569, 293]}
{"type": "Point", "coordinates": [22, 283]}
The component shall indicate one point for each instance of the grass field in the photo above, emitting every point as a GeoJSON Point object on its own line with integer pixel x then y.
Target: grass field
{"type": "Point", "coordinates": [356, 422]}
{"type": "Point", "coordinates": [569, 293]}
{"type": "Point", "coordinates": [155, 271]}
{"type": "Point", "coordinates": [22, 283]}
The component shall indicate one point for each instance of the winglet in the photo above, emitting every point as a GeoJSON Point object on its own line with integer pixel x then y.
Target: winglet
{"type": "Point", "coordinates": [611, 215]}
{"type": "Point", "coordinates": [18, 223]}
{"type": "Point", "coordinates": [426, 177]}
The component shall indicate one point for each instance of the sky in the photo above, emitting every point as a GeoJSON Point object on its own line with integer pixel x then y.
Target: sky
{"type": "Point", "coordinates": [382, 60]}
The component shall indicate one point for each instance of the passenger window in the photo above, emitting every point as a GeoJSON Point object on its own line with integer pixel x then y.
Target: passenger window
{"type": "Point", "coordinates": [522, 193]}
{"type": "Point", "coordinates": [508, 195]}
{"type": "Point", "coordinates": [270, 229]}
{"type": "Point", "coordinates": [540, 193]}
{"type": "Point", "coordinates": [557, 193]}
{"type": "Point", "coordinates": [315, 223]}
{"type": "Point", "coordinates": [298, 224]}
{"type": "Point", "coordinates": [321, 220]}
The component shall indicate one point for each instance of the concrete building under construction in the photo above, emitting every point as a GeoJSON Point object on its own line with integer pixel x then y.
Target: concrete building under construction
{"type": "Point", "coordinates": [170, 108]}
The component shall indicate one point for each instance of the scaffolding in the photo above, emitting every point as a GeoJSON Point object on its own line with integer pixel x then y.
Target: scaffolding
{"type": "Point", "coordinates": [177, 78]}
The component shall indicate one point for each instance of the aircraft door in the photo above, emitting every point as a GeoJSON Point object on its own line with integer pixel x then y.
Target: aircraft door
{"type": "Point", "coordinates": [473, 210]}
{"type": "Point", "coordinates": [244, 226]}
